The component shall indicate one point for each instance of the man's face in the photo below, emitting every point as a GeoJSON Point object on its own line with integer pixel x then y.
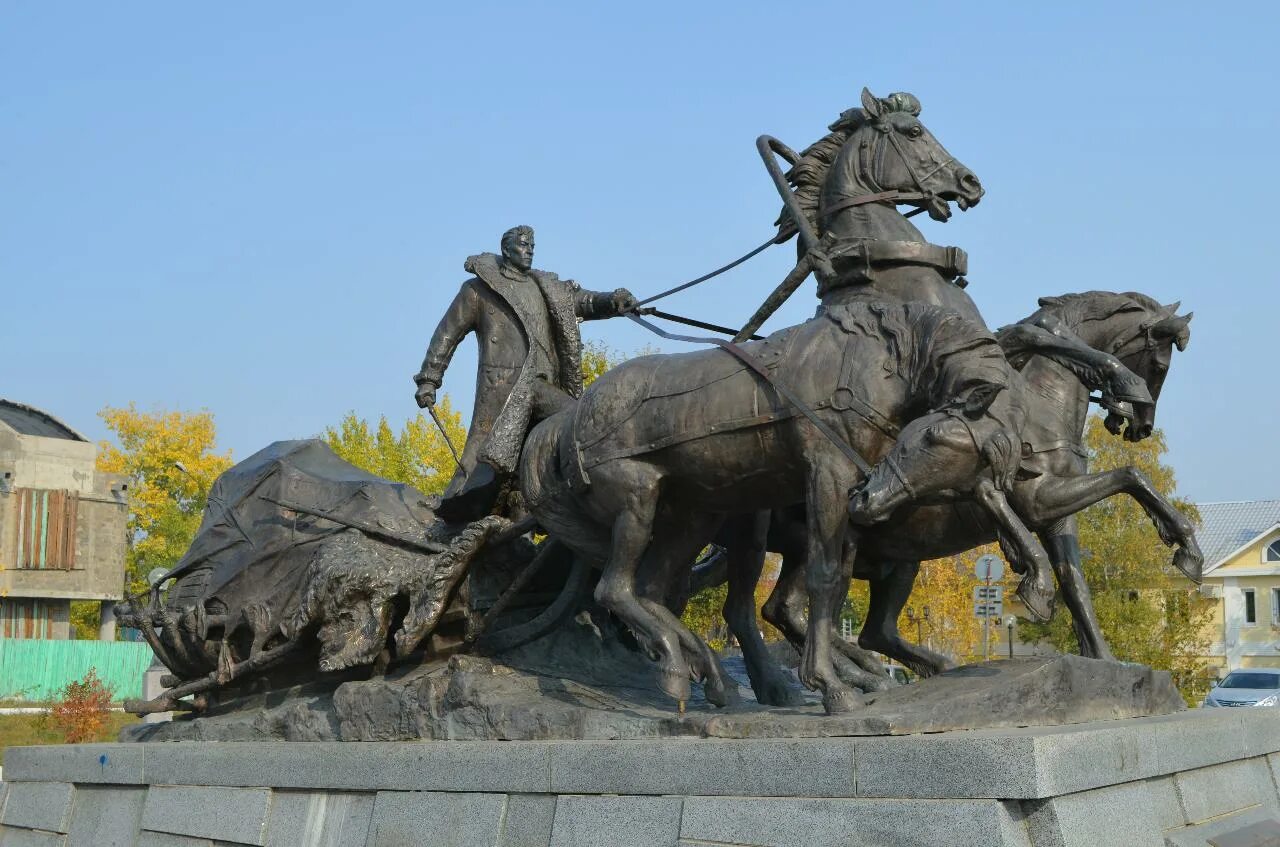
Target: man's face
{"type": "Point", "coordinates": [519, 251]}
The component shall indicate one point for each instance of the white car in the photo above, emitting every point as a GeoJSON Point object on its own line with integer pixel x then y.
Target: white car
{"type": "Point", "coordinates": [1254, 687]}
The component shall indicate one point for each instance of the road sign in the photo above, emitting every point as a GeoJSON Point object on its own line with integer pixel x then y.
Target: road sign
{"type": "Point", "coordinates": [988, 566]}
{"type": "Point", "coordinates": [988, 610]}
{"type": "Point", "coordinates": [988, 593]}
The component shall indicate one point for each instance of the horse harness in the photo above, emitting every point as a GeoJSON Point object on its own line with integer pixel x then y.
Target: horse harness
{"type": "Point", "coordinates": [764, 373]}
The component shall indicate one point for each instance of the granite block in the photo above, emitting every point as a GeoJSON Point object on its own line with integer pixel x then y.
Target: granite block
{"type": "Point", "coordinates": [793, 822]}
{"type": "Point", "coordinates": [39, 805]}
{"type": "Point", "coordinates": [168, 839]}
{"type": "Point", "coordinates": [1256, 827]}
{"type": "Point", "coordinates": [227, 814]}
{"type": "Point", "coordinates": [14, 837]}
{"type": "Point", "coordinates": [1201, 738]}
{"type": "Point", "coordinates": [106, 815]}
{"type": "Point", "coordinates": [528, 821]}
{"type": "Point", "coordinates": [800, 767]}
{"type": "Point", "coordinates": [956, 765]}
{"type": "Point", "coordinates": [481, 766]}
{"type": "Point", "coordinates": [593, 821]}
{"type": "Point", "coordinates": [1220, 789]}
{"type": "Point", "coordinates": [1115, 816]}
{"type": "Point", "coordinates": [318, 819]}
{"type": "Point", "coordinates": [436, 818]}
{"type": "Point", "coordinates": [1166, 805]}
{"type": "Point", "coordinates": [1260, 730]}
{"type": "Point", "coordinates": [117, 764]}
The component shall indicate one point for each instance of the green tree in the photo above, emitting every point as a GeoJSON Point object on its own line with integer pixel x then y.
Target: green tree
{"type": "Point", "coordinates": [417, 455]}
{"type": "Point", "coordinates": [171, 460]}
{"type": "Point", "coordinates": [1148, 611]}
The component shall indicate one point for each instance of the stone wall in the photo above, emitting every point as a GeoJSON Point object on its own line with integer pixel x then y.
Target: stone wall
{"type": "Point", "coordinates": [1178, 780]}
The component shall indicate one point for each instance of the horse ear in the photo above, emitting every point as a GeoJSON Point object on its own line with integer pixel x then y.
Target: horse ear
{"type": "Point", "coordinates": [870, 103]}
{"type": "Point", "coordinates": [980, 398]}
{"type": "Point", "coordinates": [1045, 302]}
{"type": "Point", "coordinates": [1172, 308]}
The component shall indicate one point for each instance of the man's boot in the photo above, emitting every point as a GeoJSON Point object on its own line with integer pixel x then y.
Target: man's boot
{"type": "Point", "coordinates": [476, 497]}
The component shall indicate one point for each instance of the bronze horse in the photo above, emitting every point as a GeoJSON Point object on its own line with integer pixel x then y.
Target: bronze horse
{"type": "Point", "coordinates": [640, 473]}
{"type": "Point", "coordinates": [1052, 485]}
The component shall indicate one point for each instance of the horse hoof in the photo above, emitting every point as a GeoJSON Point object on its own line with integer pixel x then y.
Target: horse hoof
{"type": "Point", "coordinates": [719, 694]}
{"type": "Point", "coordinates": [1039, 602]}
{"type": "Point", "coordinates": [1190, 563]}
{"type": "Point", "coordinates": [838, 700]}
{"type": "Point", "coordinates": [776, 692]}
{"type": "Point", "coordinates": [675, 684]}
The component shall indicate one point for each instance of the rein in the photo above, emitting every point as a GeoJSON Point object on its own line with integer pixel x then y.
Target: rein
{"type": "Point", "coordinates": [760, 370]}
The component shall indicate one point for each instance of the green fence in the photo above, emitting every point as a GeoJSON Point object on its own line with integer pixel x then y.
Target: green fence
{"type": "Point", "coordinates": [37, 668]}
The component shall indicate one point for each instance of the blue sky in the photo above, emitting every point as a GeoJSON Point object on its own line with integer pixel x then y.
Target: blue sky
{"type": "Point", "coordinates": [263, 209]}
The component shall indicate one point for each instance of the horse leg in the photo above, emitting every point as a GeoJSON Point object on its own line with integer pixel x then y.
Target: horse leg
{"type": "Point", "coordinates": [616, 590]}
{"type": "Point", "coordinates": [1036, 588]}
{"type": "Point", "coordinates": [1061, 496]}
{"type": "Point", "coordinates": [746, 563]}
{"type": "Point", "coordinates": [785, 610]}
{"type": "Point", "coordinates": [1063, 545]}
{"type": "Point", "coordinates": [827, 585]}
{"type": "Point", "coordinates": [674, 547]}
{"type": "Point", "coordinates": [890, 590]}
{"type": "Point", "coordinates": [785, 607]}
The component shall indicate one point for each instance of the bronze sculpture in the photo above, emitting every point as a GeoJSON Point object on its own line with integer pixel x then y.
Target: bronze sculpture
{"type": "Point", "coordinates": [526, 325]}
{"type": "Point", "coordinates": [891, 427]}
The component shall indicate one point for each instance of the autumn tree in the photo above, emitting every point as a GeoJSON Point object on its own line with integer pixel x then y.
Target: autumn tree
{"type": "Point", "coordinates": [939, 613]}
{"type": "Point", "coordinates": [417, 455]}
{"type": "Point", "coordinates": [1148, 611]}
{"type": "Point", "coordinates": [171, 460]}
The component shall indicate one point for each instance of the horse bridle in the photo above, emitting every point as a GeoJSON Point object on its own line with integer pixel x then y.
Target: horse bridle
{"type": "Point", "coordinates": [873, 181]}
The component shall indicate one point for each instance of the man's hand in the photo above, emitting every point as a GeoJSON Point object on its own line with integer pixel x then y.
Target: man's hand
{"type": "Point", "coordinates": [425, 395]}
{"type": "Point", "coordinates": [624, 301]}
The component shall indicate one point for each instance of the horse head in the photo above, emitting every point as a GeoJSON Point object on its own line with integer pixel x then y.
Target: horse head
{"type": "Point", "coordinates": [1138, 331]}
{"type": "Point", "coordinates": [942, 451]}
{"type": "Point", "coordinates": [889, 149]}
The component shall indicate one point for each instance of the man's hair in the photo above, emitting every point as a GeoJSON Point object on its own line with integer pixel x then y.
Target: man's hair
{"type": "Point", "coordinates": [515, 232]}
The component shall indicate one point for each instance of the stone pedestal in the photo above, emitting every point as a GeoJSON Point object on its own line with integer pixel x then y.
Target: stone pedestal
{"type": "Point", "coordinates": [1194, 778]}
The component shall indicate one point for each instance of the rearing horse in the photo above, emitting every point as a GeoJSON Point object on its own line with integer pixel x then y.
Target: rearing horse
{"type": "Point", "coordinates": [640, 473]}
{"type": "Point", "coordinates": [1053, 484]}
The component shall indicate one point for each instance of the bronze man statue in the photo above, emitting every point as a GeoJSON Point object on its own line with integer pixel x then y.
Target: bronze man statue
{"type": "Point", "coordinates": [526, 325]}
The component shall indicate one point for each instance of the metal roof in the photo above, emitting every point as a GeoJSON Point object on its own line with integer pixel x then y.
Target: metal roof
{"type": "Point", "coordinates": [1226, 527]}
{"type": "Point", "coordinates": [28, 420]}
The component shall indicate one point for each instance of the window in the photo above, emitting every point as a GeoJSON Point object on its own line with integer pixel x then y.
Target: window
{"type": "Point", "coordinates": [1272, 552]}
{"type": "Point", "coordinates": [26, 619]}
{"type": "Point", "coordinates": [1250, 607]}
{"type": "Point", "coordinates": [46, 529]}
{"type": "Point", "coordinates": [1275, 607]}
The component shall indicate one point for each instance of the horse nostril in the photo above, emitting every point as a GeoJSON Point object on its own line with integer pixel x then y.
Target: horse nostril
{"type": "Point", "coordinates": [969, 180]}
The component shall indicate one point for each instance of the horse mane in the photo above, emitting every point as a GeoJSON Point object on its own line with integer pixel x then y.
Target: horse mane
{"type": "Point", "coordinates": [940, 354]}
{"type": "Point", "coordinates": [1086, 306]}
{"type": "Point", "coordinates": [808, 174]}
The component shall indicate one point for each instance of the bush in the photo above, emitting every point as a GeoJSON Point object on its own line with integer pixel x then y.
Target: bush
{"type": "Point", "coordinates": [81, 709]}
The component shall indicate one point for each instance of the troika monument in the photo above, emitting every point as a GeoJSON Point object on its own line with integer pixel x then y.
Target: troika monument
{"type": "Point", "coordinates": [512, 652]}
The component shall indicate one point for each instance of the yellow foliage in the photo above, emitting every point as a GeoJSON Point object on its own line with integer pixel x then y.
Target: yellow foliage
{"type": "Point", "coordinates": [418, 455]}
{"type": "Point", "coordinates": [170, 460]}
{"type": "Point", "coordinates": [939, 614]}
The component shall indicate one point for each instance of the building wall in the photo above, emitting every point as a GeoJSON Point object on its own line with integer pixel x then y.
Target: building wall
{"type": "Point", "coordinates": [1235, 642]}
{"type": "Point", "coordinates": [63, 465]}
